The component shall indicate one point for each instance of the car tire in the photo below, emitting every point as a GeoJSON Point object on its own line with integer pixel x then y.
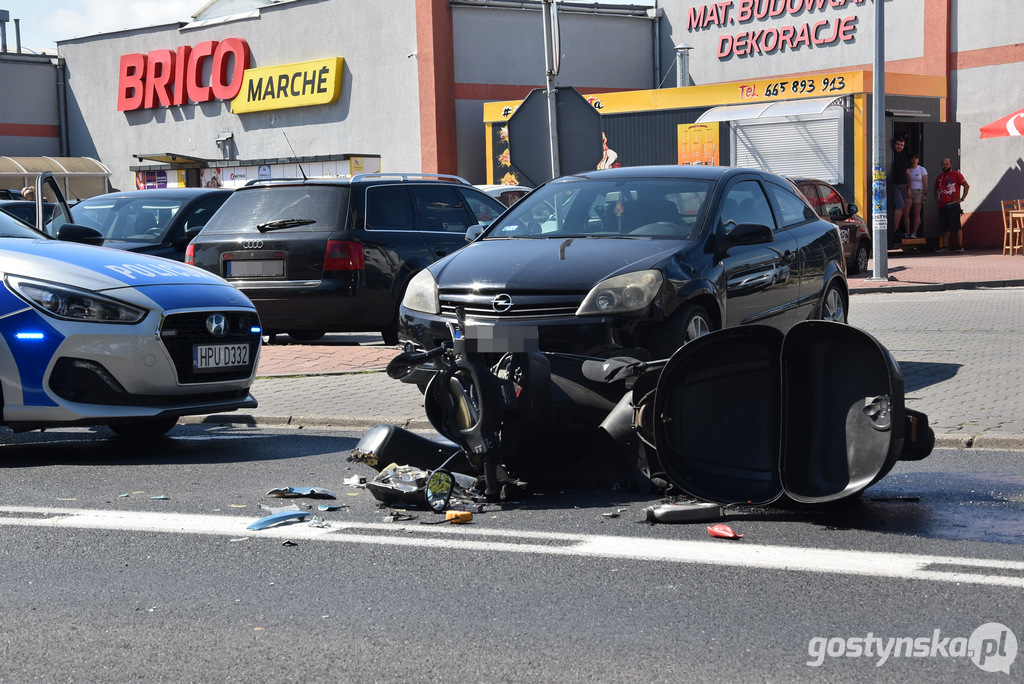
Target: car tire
{"type": "Point", "coordinates": [306, 335]}
{"type": "Point", "coordinates": [687, 324]}
{"type": "Point", "coordinates": [860, 259]}
{"type": "Point", "coordinates": [390, 333]}
{"type": "Point", "coordinates": [145, 429]}
{"type": "Point", "coordinates": [833, 305]}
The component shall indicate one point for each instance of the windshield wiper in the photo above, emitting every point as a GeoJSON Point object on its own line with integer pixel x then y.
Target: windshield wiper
{"type": "Point", "coordinates": [283, 223]}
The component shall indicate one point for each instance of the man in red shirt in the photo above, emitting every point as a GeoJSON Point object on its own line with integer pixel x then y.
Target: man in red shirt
{"type": "Point", "coordinates": [950, 190]}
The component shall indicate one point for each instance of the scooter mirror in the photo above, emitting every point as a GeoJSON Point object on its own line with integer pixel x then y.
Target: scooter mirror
{"type": "Point", "coordinates": [403, 364]}
{"type": "Point", "coordinates": [438, 490]}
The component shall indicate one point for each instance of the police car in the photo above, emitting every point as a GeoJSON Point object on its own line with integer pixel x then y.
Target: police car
{"type": "Point", "coordinates": [96, 336]}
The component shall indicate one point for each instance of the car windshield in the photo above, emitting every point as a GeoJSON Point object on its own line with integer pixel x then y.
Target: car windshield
{"type": "Point", "coordinates": [282, 208]}
{"type": "Point", "coordinates": [634, 208]}
{"type": "Point", "coordinates": [131, 219]}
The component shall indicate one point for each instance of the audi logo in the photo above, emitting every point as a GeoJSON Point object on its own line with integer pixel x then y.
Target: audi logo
{"type": "Point", "coordinates": [252, 244]}
{"type": "Point", "coordinates": [501, 303]}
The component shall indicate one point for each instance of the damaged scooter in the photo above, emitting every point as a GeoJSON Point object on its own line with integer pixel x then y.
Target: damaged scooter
{"type": "Point", "coordinates": [743, 415]}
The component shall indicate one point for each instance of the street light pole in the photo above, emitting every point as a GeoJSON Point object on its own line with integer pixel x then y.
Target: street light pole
{"type": "Point", "coordinates": [879, 214]}
{"type": "Point", "coordinates": [551, 60]}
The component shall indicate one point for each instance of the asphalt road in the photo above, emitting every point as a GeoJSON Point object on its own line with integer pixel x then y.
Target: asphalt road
{"type": "Point", "coordinates": [104, 582]}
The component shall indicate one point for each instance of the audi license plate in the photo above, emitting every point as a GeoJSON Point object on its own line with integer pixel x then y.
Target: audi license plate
{"type": "Point", "coordinates": [254, 268]}
{"type": "Point", "coordinates": [211, 357]}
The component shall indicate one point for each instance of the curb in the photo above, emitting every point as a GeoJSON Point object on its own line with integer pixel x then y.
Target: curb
{"type": "Point", "coordinates": [937, 287]}
{"type": "Point", "coordinates": [985, 441]}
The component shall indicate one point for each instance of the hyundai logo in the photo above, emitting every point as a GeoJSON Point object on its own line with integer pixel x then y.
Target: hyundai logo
{"type": "Point", "coordinates": [217, 324]}
{"type": "Point", "coordinates": [252, 244]}
{"type": "Point", "coordinates": [501, 303]}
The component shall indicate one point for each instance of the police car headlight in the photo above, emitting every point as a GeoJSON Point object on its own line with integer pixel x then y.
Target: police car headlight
{"type": "Point", "coordinates": [421, 294]}
{"type": "Point", "coordinates": [622, 294]}
{"type": "Point", "coordinates": [71, 304]}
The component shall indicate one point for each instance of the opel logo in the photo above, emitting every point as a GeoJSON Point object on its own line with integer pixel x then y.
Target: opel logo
{"type": "Point", "coordinates": [501, 303]}
{"type": "Point", "coordinates": [252, 244]}
{"type": "Point", "coordinates": [217, 324]}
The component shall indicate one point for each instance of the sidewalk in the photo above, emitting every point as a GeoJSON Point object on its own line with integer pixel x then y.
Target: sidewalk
{"type": "Point", "coordinates": [339, 380]}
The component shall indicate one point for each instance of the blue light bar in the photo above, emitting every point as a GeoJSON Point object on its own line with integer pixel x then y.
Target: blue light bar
{"type": "Point", "coordinates": [30, 335]}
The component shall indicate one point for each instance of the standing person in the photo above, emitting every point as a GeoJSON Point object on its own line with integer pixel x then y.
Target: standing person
{"type": "Point", "coordinates": [950, 190]}
{"type": "Point", "coordinates": [918, 192]}
{"type": "Point", "coordinates": [900, 186]}
{"type": "Point", "coordinates": [29, 193]}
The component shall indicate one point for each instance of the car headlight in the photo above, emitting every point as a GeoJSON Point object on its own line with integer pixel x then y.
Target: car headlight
{"type": "Point", "coordinates": [421, 293]}
{"type": "Point", "coordinates": [622, 294]}
{"type": "Point", "coordinates": [72, 304]}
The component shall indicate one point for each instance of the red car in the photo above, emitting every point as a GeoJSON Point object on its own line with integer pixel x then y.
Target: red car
{"type": "Point", "coordinates": [831, 206]}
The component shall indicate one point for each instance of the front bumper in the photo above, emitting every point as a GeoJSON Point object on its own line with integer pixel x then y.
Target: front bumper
{"type": "Point", "coordinates": [74, 373]}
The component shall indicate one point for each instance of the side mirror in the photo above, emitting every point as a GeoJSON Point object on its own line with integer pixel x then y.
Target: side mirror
{"type": "Point", "coordinates": [851, 209]}
{"type": "Point", "coordinates": [438, 490]}
{"type": "Point", "coordinates": [749, 234]}
{"type": "Point", "coordinates": [73, 232]}
{"type": "Point", "coordinates": [406, 362]}
{"type": "Point", "coordinates": [473, 232]}
{"type": "Point", "coordinates": [181, 242]}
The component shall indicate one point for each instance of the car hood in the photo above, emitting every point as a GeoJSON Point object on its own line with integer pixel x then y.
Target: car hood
{"type": "Point", "coordinates": [546, 263]}
{"type": "Point", "coordinates": [123, 274]}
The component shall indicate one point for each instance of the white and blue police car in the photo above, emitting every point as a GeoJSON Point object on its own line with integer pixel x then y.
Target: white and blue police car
{"type": "Point", "coordinates": [96, 336]}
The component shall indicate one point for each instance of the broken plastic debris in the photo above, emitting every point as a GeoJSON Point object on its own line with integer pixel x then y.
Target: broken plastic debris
{"type": "Point", "coordinates": [458, 517]}
{"type": "Point", "coordinates": [684, 512]}
{"type": "Point", "coordinates": [161, 497]}
{"type": "Point", "coordinates": [308, 492]}
{"type": "Point", "coordinates": [723, 531]}
{"type": "Point", "coordinates": [332, 507]}
{"type": "Point", "coordinates": [239, 539]}
{"type": "Point", "coordinates": [288, 542]}
{"type": "Point", "coordinates": [276, 518]}
{"type": "Point", "coordinates": [613, 514]}
{"type": "Point", "coordinates": [317, 521]}
{"type": "Point", "coordinates": [471, 507]}
{"type": "Point", "coordinates": [125, 494]}
{"type": "Point", "coordinates": [354, 480]}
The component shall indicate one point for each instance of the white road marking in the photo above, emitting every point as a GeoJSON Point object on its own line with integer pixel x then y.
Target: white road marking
{"type": "Point", "coordinates": [731, 554]}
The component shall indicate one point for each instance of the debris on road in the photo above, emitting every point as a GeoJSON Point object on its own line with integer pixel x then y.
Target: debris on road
{"type": "Point", "coordinates": [306, 492]}
{"type": "Point", "coordinates": [723, 532]}
{"type": "Point", "coordinates": [277, 518]}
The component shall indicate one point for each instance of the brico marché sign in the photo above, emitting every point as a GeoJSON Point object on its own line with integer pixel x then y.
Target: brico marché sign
{"type": "Point", "coordinates": [165, 78]}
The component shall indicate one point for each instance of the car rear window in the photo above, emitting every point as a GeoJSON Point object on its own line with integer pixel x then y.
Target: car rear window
{"type": "Point", "coordinates": [324, 206]}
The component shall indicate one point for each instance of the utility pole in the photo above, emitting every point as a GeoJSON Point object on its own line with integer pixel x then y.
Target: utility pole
{"type": "Point", "coordinates": [551, 58]}
{"type": "Point", "coordinates": [880, 209]}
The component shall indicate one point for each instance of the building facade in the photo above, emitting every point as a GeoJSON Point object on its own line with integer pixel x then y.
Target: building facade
{"type": "Point", "coordinates": [246, 89]}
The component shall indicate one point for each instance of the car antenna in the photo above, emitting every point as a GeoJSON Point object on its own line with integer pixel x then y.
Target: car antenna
{"type": "Point", "coordinates": [294, 155]}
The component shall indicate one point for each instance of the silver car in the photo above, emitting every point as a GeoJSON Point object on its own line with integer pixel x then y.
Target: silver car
{"type": "Point", "coordinates": [96, 336]}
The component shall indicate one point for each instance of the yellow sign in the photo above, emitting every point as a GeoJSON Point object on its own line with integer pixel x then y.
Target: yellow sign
{"type": "Point", "coordinates": [290, 85]}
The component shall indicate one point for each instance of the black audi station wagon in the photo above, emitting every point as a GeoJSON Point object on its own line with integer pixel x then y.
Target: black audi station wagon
{"type": "Point", "coordinates": [335, 255]}
{"type": "Point", "coordinates": [634, 258]}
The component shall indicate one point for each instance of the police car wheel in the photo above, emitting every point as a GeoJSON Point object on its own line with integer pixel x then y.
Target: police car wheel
{"type": "Point", "coordinates": [145, 429]}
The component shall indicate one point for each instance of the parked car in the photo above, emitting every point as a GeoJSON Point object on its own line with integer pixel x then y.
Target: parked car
{"type": "Point", "coordinates": [160, 222]}
{"type": "Point", "coordinates": [105, 337]}
{"type": "Point", "coordinates": [335, 255]}
{"type": "Point", "coordinates": [7, 194]}
{"type": "Point", "coordinates": [830, 205]}
{"type": "Point", "coordinates": [636, 257]}
{"type": "Point", "coordinates": [26, 210]}
{"type": "Point", "coordinates": [506, 194]}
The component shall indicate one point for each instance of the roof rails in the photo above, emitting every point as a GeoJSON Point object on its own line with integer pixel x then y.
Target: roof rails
{"type": "Point", "coordinates": [408, 176]}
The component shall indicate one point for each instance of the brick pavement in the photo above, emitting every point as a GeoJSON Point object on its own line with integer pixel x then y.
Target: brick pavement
{"type": "Point", "coordinates": [338, 380]}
